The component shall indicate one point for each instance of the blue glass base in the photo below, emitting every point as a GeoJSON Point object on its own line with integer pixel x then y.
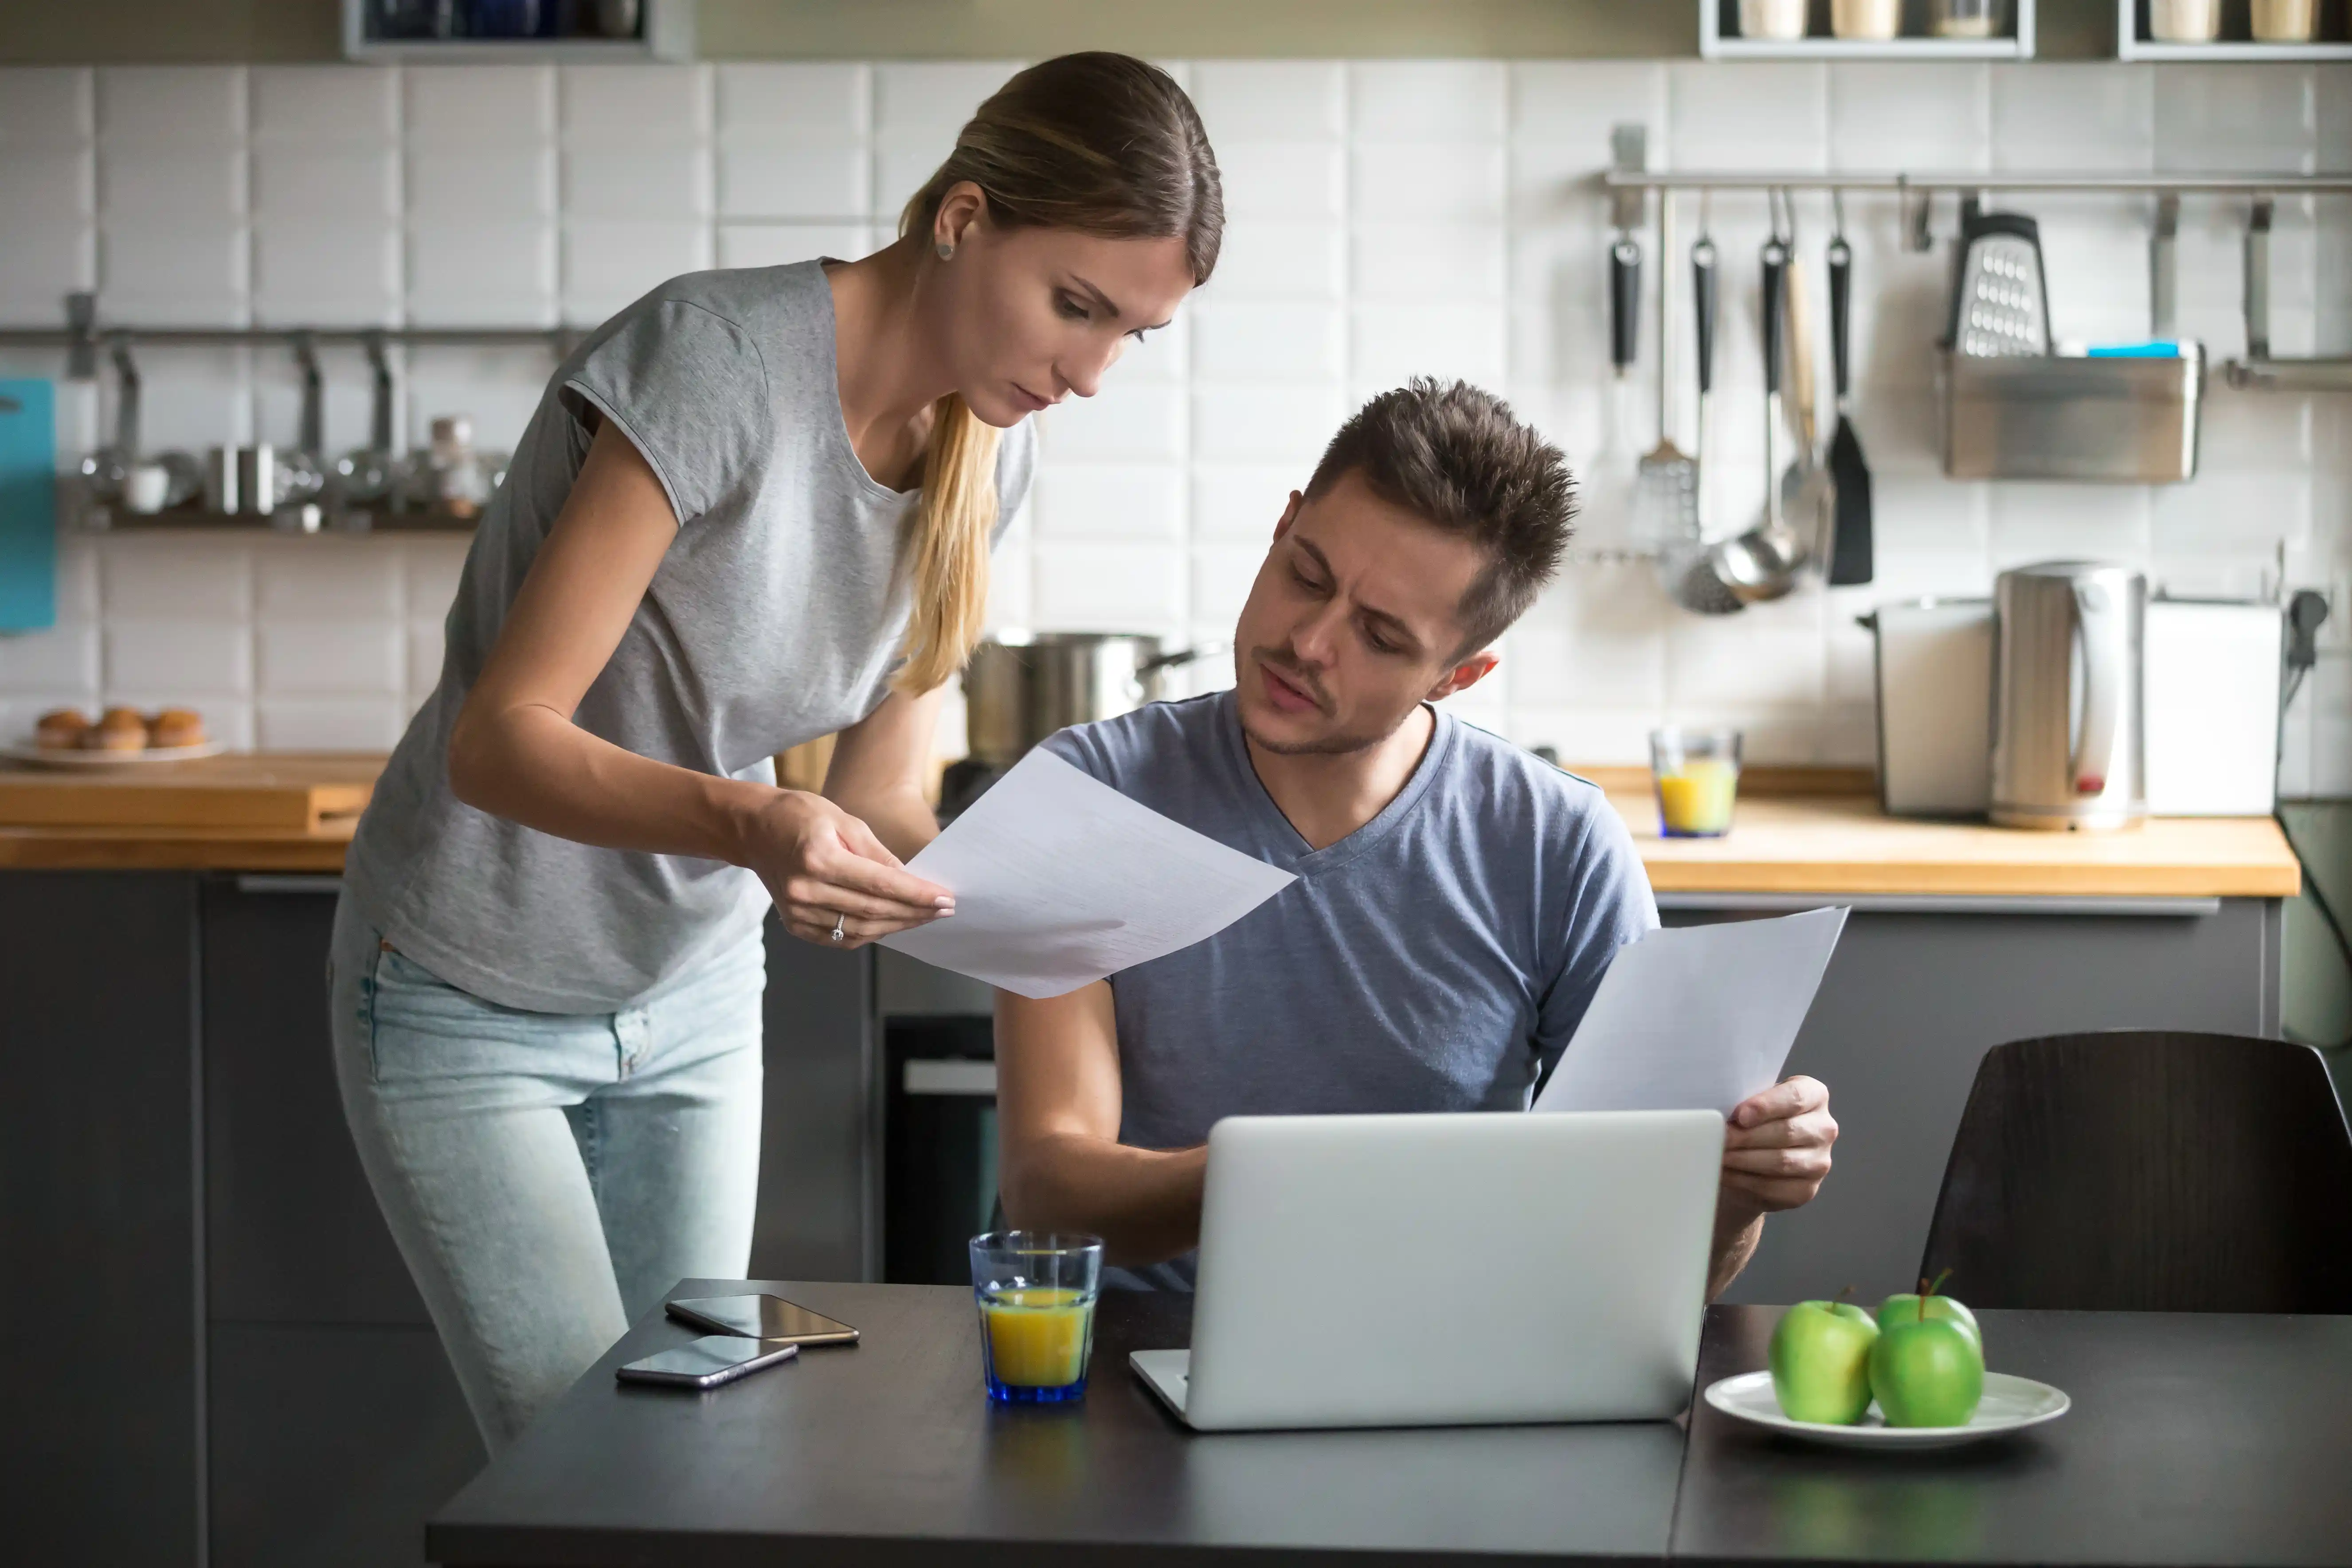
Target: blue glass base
{"type": "Point", "coordinates": [1664, 832]}
{"type": "Point", "coordinates": [1029, 1394]}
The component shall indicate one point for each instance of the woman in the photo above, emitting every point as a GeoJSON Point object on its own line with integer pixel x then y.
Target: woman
{"type": "Point", "coordinates": [754, 508]}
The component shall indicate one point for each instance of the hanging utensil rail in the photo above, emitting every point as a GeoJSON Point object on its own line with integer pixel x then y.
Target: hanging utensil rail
{"type": "Point", "coordinates": [2124, 184]}
{"type": "Point", "coordinates": [2259, 370]}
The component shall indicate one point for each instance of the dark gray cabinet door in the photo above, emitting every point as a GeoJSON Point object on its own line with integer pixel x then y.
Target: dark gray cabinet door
{"type": "Point", "coordinates": [821, 1123]}
{"type": "Point", "coordinates": [1909, 1006]}
{"type": "Point", "coordinates": [292, 1231]}
{"type": "Point", "coordinates": [331, 1445]}
{"type": "Point", "coordinates": [336, 1425]}
{"type": "Point", "coordinates": [99, 1449]}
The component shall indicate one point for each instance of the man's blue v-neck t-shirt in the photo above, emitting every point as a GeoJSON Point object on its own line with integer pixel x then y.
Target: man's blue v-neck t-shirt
{"type": "Point", "coordinates": [1438, 958]}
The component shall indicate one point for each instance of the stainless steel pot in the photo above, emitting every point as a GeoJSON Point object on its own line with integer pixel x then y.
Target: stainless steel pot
{"type": "Point", "coordinates": [1020, 688]}
{"type": "Point", "coordinates": [2068, 724]}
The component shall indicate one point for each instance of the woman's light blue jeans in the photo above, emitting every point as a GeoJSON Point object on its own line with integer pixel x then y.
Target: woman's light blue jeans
{"type": "Point", "coordinates": [549, 1177]}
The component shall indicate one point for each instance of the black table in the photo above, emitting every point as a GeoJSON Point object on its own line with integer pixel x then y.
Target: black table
{"type": "Point", "coordinates": [889, 1452]}
{"type": "Point", "coordinates": [2194, 1440]}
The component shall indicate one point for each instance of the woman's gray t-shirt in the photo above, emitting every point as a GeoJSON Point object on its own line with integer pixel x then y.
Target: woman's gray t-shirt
{"type": "Point", "coordinates": [776, 616]}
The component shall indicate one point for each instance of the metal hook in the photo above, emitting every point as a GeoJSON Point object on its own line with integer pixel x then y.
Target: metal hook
{"type": "Point", "coordinates": [2258, 279]}
{"type": "Point", "coordinates": [81, 322]}
{"type": "Point", "coordinates": [2164, 268]}
{"type": "Point", "coordinates": [380, 414]}
{"type": "Point", "coordinates": [1918, 237]}
{"type": "Point", "coordinates": [310, 436]}
{"type": "Point", "coordinates": [126, 399]}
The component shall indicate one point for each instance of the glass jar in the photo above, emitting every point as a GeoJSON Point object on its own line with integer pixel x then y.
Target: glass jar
{"type": "Point", "coordinates": [1874, 20]}
{"type": "Point", "coordinates": [2286, 21]}
{"type": "Point", "coordinates": [1781, 19]}
{"type": "Point", "coordinates": [2184, 21]}
{"type": "Point", "coordinates": [1967, 18]}
{"type": "Point", "coordinates": [457, 481]}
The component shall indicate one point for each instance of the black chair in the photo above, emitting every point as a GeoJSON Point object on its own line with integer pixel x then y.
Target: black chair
{"type": "Point", "coordinates": [2148, 1170]}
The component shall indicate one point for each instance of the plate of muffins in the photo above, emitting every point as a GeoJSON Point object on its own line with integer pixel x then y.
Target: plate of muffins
{"type": "Point", "coordinates": [120, 737]}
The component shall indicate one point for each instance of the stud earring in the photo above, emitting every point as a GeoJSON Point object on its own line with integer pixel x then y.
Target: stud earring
{"type": "Point", "coordinates": [946, 251]}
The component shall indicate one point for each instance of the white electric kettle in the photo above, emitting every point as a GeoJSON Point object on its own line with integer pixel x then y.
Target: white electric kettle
{"type": "Point", "coordinates": [2069, 726]}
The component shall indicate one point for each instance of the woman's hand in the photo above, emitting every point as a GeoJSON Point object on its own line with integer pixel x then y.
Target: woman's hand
{"type": "Point", "coordinates": [823, 865]}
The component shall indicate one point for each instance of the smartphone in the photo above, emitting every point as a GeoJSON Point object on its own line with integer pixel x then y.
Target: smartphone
{"type": "Point", "coordinates": [763, 1318]}
{"type": "Point", "coordinates": [708, 1363]}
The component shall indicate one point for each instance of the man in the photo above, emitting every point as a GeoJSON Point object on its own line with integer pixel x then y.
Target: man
{"type": "Point", "coordinates": [1457, 900]}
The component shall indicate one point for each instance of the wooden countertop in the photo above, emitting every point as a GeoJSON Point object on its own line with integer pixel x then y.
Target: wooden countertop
{"type": "Point", "coordinates": [1797, 831]}
{"type": "Point", "coordinates": [1843, 844]}
{"type": "Point", "coordinates": [280, 811]}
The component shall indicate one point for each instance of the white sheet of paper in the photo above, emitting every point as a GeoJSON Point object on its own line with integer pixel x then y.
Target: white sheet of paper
{"type": "Point", "coordinates": [1698, 1016]}
{"type": "Point", "coordinates": [1060, 879]}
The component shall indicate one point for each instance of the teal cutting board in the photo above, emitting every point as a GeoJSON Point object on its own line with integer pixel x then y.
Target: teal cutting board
{"type": "Point", "coordinates": [28, 506]}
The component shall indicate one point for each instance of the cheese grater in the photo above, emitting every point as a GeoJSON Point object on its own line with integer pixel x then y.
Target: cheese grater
{"type": "Point", "coordinates": [2001, 306]}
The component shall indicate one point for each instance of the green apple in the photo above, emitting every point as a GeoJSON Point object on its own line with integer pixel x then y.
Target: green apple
{"type": "Point", "coordinates": [1910, 1308]}
{"type": "Point", "coordinates": [1820, 1357]}
{"type": "Point", "coordinates": [1928, 1372]}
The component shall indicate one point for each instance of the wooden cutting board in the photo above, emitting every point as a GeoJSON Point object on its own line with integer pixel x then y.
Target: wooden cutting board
{"type": "Point", "coordinates": [289, 791]}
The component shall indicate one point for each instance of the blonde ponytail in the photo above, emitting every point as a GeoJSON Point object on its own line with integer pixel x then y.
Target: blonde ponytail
{"type": "Point", "coordinates": [1102, 143]}
{"type": "Point", "coordinates": [947, 558]}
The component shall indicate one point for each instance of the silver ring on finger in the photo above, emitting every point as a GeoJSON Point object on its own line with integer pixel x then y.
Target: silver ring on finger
{"type": "Point", "coordinates": [840, 925]}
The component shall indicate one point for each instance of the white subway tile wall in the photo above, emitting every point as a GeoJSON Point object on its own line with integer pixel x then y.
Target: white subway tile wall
{"type": "Point", "coordinates": [1386, 219]}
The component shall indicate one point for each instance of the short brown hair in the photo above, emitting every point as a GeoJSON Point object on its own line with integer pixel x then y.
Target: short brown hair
{"type": "Point", "coordinates": [1459, 458]}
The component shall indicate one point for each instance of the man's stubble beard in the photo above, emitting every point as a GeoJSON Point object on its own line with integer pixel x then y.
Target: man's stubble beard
{"type": "Point", "coordinates": [1329, 746]}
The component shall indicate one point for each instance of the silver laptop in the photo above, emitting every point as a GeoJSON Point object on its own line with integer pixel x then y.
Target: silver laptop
{"type": "Point", "coordinates": [1448, 1269]}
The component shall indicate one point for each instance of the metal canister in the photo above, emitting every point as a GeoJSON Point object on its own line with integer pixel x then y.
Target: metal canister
{"type": "Point", "coordinates": [257, 480]}
{"type": "Point", "coordinates": [220, 479]}
{"type": "Point", "coordinates": [1020, 688]}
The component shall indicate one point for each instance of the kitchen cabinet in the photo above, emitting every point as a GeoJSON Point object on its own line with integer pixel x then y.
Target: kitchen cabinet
{"type": "Point", "coordinates": [1919, 989]}
{"type": "Point", "coordinates": [821, 1117]}
{"type": "Point", "coordinates": [333, 1423]}
{"type": "Point", "coordinates": [272, 1392]}
{"type": "Point", "coordinates": [270, 1389]}
{"type": "Point", "coordinates": [329, 1443]}
{"type": "Point", "coordinates": [103, 1311]}
{"type": "Point", "coordinates": [291, 1231]}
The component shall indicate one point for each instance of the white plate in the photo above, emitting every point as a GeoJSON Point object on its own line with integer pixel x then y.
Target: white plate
{"type": "Point", "coordinates": [2009, 1405]}
{"type": "Point", "coordinates": [68, 757]}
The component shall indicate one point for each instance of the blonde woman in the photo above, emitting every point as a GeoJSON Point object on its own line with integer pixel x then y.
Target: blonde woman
{"type": "Point", "coordinates": [754, 508]}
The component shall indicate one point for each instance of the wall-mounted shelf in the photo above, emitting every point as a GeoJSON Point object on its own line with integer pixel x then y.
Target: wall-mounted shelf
{"type": "Point", "coordinates": [663, 31]}
{"type": "Point", "coordinates": [83, 332]}
{"type": "Point", "coordinates": [1720, 39]}
{"type": "Point", "coordinates": [2133, 41]}
{"type": "Point", "coordinates": [309, 519]}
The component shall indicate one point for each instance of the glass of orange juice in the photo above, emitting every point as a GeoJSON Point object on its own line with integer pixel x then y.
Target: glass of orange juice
{"type": "Point", "coordinates": [1697, 773]}
{"type": "Point", "coordinates": [1036, 1291]}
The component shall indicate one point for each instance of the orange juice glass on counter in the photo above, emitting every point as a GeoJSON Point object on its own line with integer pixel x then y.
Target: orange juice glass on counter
{"type": "Point", "coordinates": [1035, 1291]}
{"type": "Point", "coordinates": [1697, 773]}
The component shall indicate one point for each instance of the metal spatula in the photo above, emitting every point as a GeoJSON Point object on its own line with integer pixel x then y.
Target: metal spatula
{"type": "Point", "coordinates": [1665, 482]}
{"type": "Point", "coordinates": [1850, 538]}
